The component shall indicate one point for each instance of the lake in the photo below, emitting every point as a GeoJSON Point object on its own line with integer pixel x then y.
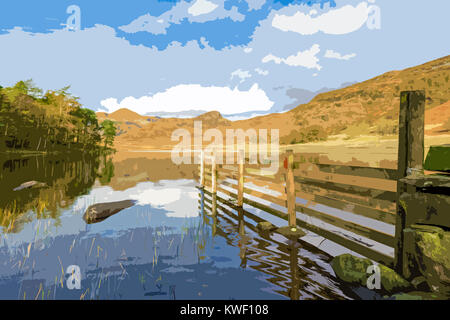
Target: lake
{"type": "Point", "coordinates": [166, 246]}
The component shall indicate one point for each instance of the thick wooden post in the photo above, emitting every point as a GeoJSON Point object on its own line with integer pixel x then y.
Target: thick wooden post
{"type": "Point", "coordinates": [213, 176]}
{"type": "Point", "coordinates": [214, 185]}
{"type": "Point", "coordinates": [410, 156]}
{"type": "Point", "coordinates": [202, 202]}
{"type": "Point", "coordinates": [241, 160]}
{"type": "Point", "coordinates": [290, 189]}
{"type": "Point", "coordinates": [243, 238]}
{"type": "Point", "coordinates": [294, 290]}
{"type": "Point", "coordinates": [202, 168]}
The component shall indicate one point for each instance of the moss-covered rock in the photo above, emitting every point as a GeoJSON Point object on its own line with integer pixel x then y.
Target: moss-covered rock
{"type": "Point", "coordinates": [433, 256]}
{"type": "Point", "coordinates": [354, 270]}
{"type": "Point", "coordinates": [351, 269]}
{"type": "Point", "coordinates": [391, 281]}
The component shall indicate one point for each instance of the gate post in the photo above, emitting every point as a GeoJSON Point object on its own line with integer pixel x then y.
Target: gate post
{"type": "Point", "coordinates": [410, 157]}
{"type": "Point", "coordinates": [241, 160]}
{"type": "Point", "coordinates": [290, 189]}
{"type": "Point", "coordinates": [202, 168]}
{"type": "Point", "coordinates": [214, 185]}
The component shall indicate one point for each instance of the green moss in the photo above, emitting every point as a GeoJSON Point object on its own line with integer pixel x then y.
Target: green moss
{"type": "Point", "coordinates": [436, 246]}
{"type": "Point", "coordinates": [351, 269]}
{"type": "Point", "coordinates": [438, 158]}
{"type": "Point", "coordinates": [432, 255]}
{"type": "Point", "coordinates": [391, 281]}
{"type": "Point", "coordinates": [403, 205]}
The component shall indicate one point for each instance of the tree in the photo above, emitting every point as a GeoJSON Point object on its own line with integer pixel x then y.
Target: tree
{"type": "Point", "coordinates": [109, 132]}
{"type": "Point", "coordinates": [35, 121]}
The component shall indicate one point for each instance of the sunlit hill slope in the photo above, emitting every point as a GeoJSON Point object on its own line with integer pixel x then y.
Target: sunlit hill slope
{"type": "Point", "coordinates": [367, 108]}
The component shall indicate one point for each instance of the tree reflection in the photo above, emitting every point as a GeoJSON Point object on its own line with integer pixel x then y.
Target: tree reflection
{"type": "Point", "coordinates": [60, 179]}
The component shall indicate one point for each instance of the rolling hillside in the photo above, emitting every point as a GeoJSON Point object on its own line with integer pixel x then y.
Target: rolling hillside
{"type": "Point", "coordinates": [367, 108]}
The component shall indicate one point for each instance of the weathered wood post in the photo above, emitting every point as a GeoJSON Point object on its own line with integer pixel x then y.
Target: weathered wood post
{"type": "Point", "coordinates": [290, 189]}
{"type": "Point", "coordinates": [202, 168]}
{"type": "Point", "coordinates": [410, 156]}
{"type": "Point", "coordinates": [243, 238]}
{"type": "Point", "coordinates": [241, 160]}
{"type": "Point", "coordinates": [214, 184]}
{"type": "Point", "coordinates": [294, 290]}
{"type": "Point", "coordinates": [202, 201]}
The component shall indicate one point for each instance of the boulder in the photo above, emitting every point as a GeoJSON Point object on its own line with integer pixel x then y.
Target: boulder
{"type": "Point", "coordinates": [101, 211]}
{"type": "Point", "coordinates": [30, 185]}
{"type": "Point", "coordinates": [355, 270]}
{"type": "Point", "coordinates": [428, 251]}
{"type": "Point", "coordinates": [351, 269]}
{"type": "Point", "coordinates": [391, 281]}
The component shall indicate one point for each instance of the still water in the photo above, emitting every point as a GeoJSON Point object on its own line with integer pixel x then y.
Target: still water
{"type": "Point", "coordinates": [166, 246]}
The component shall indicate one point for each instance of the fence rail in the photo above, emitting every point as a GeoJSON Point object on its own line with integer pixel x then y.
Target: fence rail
{"type": "Point", "coordinates": [353, 206]}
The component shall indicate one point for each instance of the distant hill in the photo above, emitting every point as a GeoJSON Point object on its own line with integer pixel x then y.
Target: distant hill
{"type": "Point", "coordinates": [367, 108]}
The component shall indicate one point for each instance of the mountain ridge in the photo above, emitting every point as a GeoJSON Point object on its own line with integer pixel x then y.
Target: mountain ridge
{"type": "Point", "coordinates": [369, 107]}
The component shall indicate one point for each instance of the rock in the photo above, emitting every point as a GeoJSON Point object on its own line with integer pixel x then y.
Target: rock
{"type": "Point", "coordinates": [428, 250]}
{"type": "Point", "coordinates": [351, 269]}
{"type": "Point", "coordinates": [266, 226]}
{"type": "Point", "coordinates": [391, 281]}
{"type": "Point", "coordinates": [30, 185]}
{"type": "Point", "coordinates": [291, 233]}
{"type": "Point", "coordinates": [101, 211]}
{"type": "Point", "coordinates": [356, 271]}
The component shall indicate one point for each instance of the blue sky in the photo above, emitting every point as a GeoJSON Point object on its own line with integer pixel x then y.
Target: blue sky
{"type": "Point", "coordinates": [228, 55]}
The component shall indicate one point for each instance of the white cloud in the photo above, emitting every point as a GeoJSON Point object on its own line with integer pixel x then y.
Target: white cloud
{"type": "Point", "coordinates": [241, 74]}
{"type": "Point", "coordinates": [202, 7]}
{"type": "Point", "coordinates": [195, 97]}
{"type": "Point", "coordinates": [174, 196]}
{"type": "Point", "coordinates": [255, 4]}
{"type": "Point", "coordinates": [201, 11]}
{"type": "Point", "coordinates": [248, 50]}
{"type": "Point", "coordinates": [305, 58]}
{"type": "Point", "coordinates": [343, 20]}
{"type": "Point", "coordinates": [336, 55]}
{"type": "Point", "coordinates": [262, 72]}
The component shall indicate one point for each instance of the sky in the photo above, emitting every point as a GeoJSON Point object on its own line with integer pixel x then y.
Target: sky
{"type": "Point", "coordinates": [233, 56]}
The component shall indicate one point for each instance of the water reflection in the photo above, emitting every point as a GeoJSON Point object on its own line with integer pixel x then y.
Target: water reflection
{"type": "Point", "coordinates": [298, 270]}
{"type": "Point", "coordinates": [174, 243]}
{"type": "Point", "coordinates": [59, 180]}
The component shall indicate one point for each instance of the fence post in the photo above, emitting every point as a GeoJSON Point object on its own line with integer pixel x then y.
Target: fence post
{"type": "Point", "coordinates": [202, 168]}
{"type": "Point", "coordinates": [290, 189]}
{"type": "Point", "coordinates": [241, 160]}
{"type": "Point", "coordinates": [410, 156]}
{"type": "Point", "coordinates": [214, 185]}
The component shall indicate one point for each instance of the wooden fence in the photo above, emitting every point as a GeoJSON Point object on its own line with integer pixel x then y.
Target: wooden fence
{"type": "Point", "coordinates": [353, 206]}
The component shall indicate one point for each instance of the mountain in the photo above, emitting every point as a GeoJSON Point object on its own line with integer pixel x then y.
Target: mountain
{"type": "Point", "coordinates": [367, 108]}
{"type": "Point", "coordinates": [123, 115]}
{"type": "Point", "coordinates": [372, 106]}
{"type": "Point", "coordinates": [303, 96]}
{"type": "Point", "coordinates": [181, 114]}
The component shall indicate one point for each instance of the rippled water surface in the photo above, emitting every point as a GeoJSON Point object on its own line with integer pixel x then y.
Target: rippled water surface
{"type": "Point", "coordinates": [166, 246]}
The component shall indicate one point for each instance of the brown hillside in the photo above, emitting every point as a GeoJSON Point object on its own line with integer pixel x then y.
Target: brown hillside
{"type": "Point", "coordinates": [367, 108]}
